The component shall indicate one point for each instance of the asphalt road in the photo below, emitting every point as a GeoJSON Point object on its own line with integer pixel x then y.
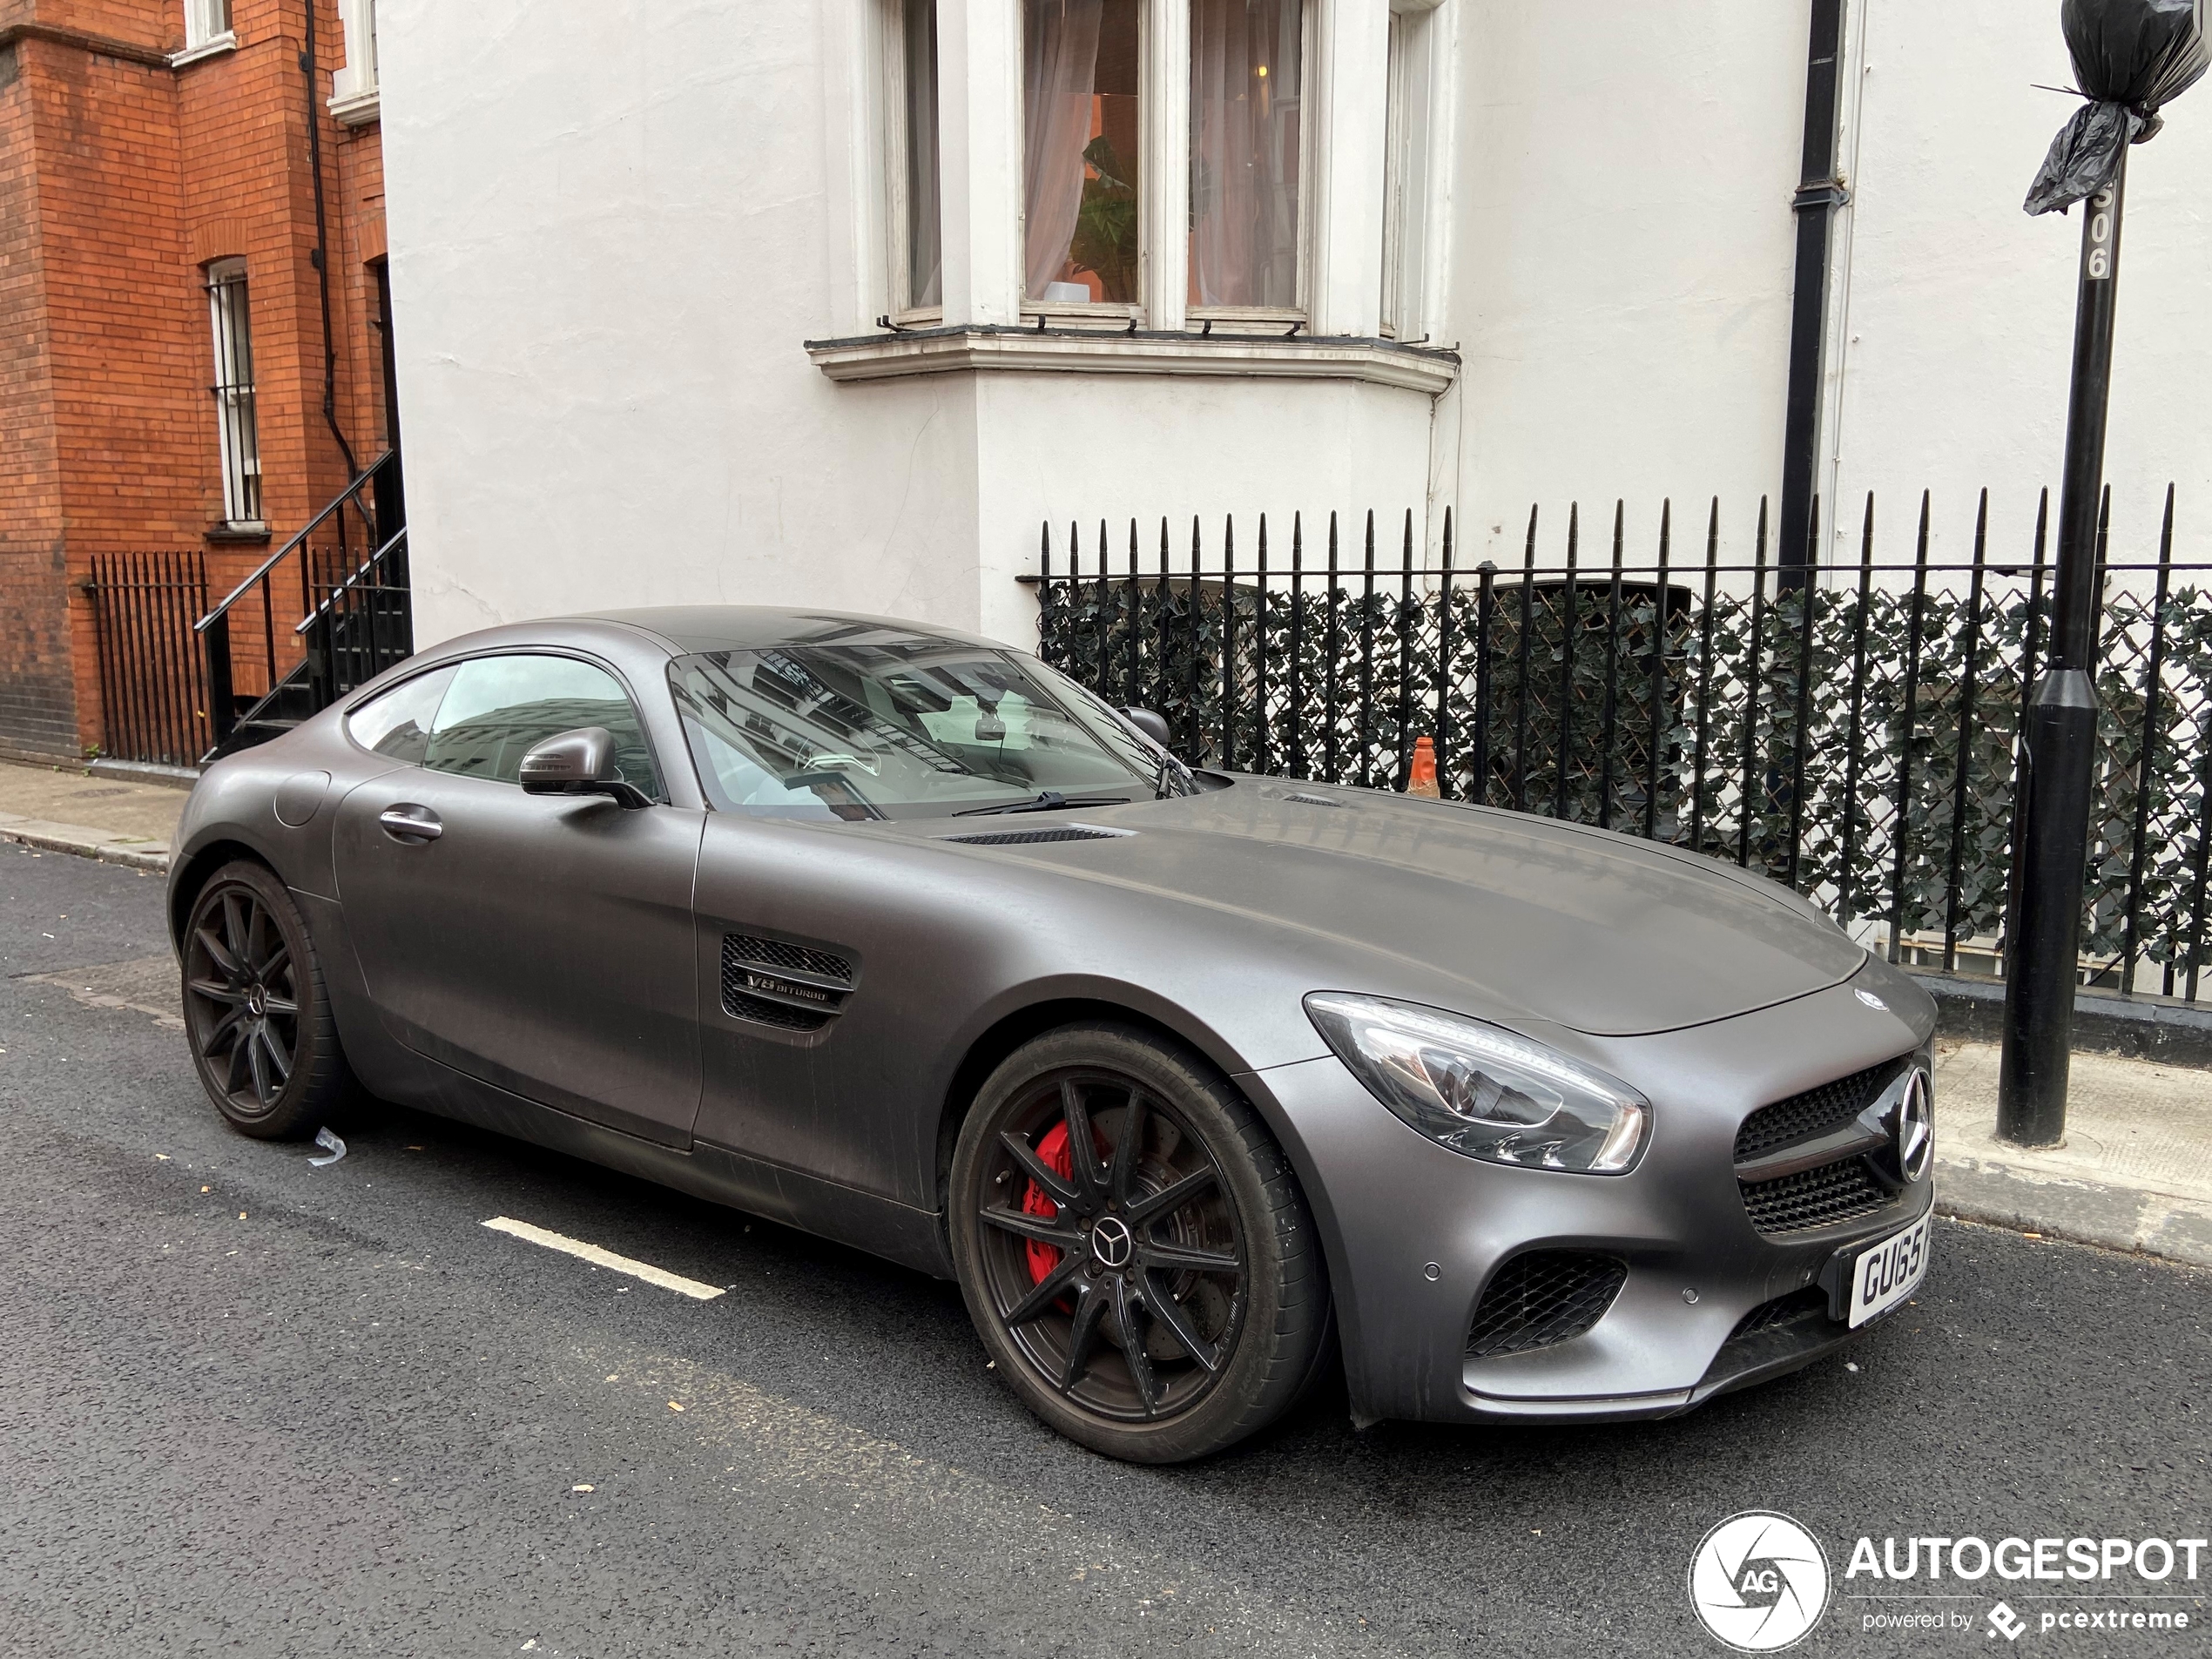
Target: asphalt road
{"type": "Point", "coordinates": [249, 1406]}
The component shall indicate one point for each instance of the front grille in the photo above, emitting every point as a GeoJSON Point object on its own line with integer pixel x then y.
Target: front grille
{"type": "Point", "coordinates": [1037, 837]}
{"type": "Point", "coordinates": [1541, 1299]}
{"type": "Point", "coordinates": [773, 953]}
{"type": "Point", "coordinates": [1817, 1111]}
{"type": "Point", "coordinates": [1838, 1191]}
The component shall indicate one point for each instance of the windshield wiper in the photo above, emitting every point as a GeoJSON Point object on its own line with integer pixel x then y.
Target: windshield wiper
{"type": "Point", "coordinates": [1049, 800]}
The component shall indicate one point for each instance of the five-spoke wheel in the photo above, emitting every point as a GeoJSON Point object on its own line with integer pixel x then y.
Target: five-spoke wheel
{"type": "Point", "coordinates": [254, 1008]}
{"type": "Point", "coordinates": [1119, 1225]}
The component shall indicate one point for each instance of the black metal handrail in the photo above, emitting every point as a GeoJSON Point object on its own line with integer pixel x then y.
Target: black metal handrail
{"type": "Point", "coordinates": [321, 568]}
{"type": "Point", "coordinates": [351, 493]}
{"type": "Point", "coordinates": [359, 576]}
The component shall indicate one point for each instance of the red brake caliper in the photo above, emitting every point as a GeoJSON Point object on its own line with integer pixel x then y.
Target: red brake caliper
{"type": "Point", "coordinates": [1053, 1150]}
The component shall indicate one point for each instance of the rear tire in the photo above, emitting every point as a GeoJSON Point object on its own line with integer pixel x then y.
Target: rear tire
{"type": "Point", "coordinates": [255, 1011]}
{"type": "Point", "coordinates": [1164, 1298]}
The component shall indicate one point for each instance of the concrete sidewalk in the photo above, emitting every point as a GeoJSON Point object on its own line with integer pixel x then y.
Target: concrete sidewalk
{"type": "Point", "coordinates": [97, 813]}
{"type": "Point", "coordinates": [2135, 1173]}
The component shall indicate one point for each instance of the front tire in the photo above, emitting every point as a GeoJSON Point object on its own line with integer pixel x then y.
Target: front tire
{"type": "Point", "coordinates": [255, 1012]}
{"type": "Point", "coordinates": [1161, 1299]}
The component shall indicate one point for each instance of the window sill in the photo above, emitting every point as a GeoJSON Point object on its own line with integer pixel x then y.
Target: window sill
{"type": "Point", "coordinates": [355, 109]}
{"type": "Point", "coordinates": [213, 46]}
{"type": "Point", "coordinates": [242, 530]}
{"type": "Point", "coordinates": [939, 351]}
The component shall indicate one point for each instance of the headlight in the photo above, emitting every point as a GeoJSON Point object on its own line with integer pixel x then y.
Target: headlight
{"type": "Point", "coordinates": [1481, 1089]}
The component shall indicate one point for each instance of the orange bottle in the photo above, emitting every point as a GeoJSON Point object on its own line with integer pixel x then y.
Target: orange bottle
{"type": "Point", "coordinates": [1421, 778]}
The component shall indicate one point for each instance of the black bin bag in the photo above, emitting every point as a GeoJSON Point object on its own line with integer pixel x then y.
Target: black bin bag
{"type": "Point", "coordinates": [2130, 56]}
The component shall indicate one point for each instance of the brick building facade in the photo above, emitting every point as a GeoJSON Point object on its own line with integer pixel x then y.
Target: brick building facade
{"type": "Point", "coordinates": [147, 146]}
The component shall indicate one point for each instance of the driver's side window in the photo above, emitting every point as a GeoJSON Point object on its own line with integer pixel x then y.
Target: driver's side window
{"type": "Point", "coordinates": [500, 708]}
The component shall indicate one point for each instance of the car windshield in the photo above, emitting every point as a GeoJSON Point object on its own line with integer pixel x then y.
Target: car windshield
{"type": "Point", "coordinates": [904, 727]}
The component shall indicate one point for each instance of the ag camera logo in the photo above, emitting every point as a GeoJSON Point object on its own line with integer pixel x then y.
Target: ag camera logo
{"type": "Point", "coordinates": [1759, 1582]}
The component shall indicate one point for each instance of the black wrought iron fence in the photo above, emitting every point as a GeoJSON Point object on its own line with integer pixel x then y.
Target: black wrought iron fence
{"type": "Point", "coordinates": [1851, 735]}
{"type": "Point", "coordinates": [153, 685]}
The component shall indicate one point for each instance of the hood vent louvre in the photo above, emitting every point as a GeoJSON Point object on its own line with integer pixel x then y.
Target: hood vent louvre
{"type": "Point", "coordinates": [1037, 837]}
{"type": "Point", "coordinates": [1315, 800]}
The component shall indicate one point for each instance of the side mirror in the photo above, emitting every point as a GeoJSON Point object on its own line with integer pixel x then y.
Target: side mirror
{"type": "Point", "coordinates": [1152, 725]}
{"type": "Point", "coordinates": [581, 762]}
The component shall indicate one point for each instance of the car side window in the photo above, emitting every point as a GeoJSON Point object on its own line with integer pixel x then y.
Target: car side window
{"type": "Point", "coordinates": [500, 708]}
{"type": "Point", "coordinates": [396, 724]}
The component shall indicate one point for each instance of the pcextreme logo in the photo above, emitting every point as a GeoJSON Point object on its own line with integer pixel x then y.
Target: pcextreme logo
{"type": "Point", "coordinates": [1759, 1582]}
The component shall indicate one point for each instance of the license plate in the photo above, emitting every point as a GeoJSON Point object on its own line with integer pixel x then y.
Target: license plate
{"type": "Point", "coordinates": [1889, 1271]}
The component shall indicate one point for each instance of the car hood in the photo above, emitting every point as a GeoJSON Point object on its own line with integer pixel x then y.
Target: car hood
{"type": "Point", "coordinates": [1494, 912]}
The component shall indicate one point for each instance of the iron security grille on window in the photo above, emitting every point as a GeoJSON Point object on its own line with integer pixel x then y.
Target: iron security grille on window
{"type": "Point", "coordinates": [1542, 1299]}
{"type": "Point", "coordinates": [237, 435]}
{"type": "Point", "coordinates": [1851, 735]}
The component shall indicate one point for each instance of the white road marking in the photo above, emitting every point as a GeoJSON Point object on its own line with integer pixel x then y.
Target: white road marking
{"type": "Point", "coordinates": [607, 1259]}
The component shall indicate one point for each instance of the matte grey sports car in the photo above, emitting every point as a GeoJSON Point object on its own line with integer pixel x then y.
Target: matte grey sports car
{"type": "Point", "coordinates": [1193, 1081]}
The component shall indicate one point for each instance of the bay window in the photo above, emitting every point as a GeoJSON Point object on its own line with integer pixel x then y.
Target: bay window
{"type": "Point", "coordinates": [1227, 184]}
{"type": "Point", "coordinates": [1247, 164]}
{"type": "Point", "coordinates": [353, 86]}
{"type": "Point", "coordinates": [917, 221]}
{"type": "Point", "coordinates": [1082, 154]}
{"type": "Point", "coordinates": [1406, 166]}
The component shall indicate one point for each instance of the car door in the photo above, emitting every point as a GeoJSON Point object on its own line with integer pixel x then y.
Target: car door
{"type": "Point", "coordinates": [542, 943]}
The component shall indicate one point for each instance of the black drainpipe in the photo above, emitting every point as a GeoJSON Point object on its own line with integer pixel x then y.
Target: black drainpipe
{"type": "Point", "coordinates": [1818, 197]}
{"type": "Point", "coordinates": [321, 254]}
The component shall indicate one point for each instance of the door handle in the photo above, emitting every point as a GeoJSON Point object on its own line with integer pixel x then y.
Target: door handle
{"type": "Point", "coordinates": [409, 825]}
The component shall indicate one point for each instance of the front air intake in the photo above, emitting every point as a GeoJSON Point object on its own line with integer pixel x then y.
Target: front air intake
{"type": "Point", "coordinates": [1542, 1299]}
{"type": "Point", "coordinates": [794, 988]}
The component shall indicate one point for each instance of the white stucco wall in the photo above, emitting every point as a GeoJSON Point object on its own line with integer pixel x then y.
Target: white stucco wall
{"type": "Point", "coordinates": [1622, 275]}
{"type": "Point", "coordinates": [1621, 248]}
{"type": "Point", "coordinates": [1960, 326]}
{"type": "Point", "coordinates": [611, 230]}
{"type": "Point", "coordinates": [609, 241]}
{"type": "Point", "coordinates": [612, 225]}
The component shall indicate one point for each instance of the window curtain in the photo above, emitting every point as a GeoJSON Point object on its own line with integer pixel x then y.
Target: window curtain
{"type": "Point", "coordinates": [1059, 69]}
{"type": "Point", "coordinates": [924, 216]}
{"type": "Point", "coordinates": [1246, 59]}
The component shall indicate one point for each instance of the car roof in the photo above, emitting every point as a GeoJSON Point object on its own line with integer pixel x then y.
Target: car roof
{"type": "Point", "coordinates": [698, 628]}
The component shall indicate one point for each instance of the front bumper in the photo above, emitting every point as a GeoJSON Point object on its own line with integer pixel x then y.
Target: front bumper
{"type": "Point", "coordinates": [1414, 1232]}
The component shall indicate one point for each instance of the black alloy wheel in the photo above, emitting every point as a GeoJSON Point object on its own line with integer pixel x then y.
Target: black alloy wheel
{"type": "Point", "coordinates": [1121, 1239]}
{"type": "Point", "coordinates": [254, 1010]}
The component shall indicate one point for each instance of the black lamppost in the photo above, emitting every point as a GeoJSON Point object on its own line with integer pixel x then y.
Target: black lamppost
{"type": "Point", "coordinates": [2131, 57]}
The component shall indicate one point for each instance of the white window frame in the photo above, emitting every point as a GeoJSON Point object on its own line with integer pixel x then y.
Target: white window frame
{"type": "Point", "coordinates": [353, 95]}
{"type": "Point", "coordinates": [230, 313]}
{"type": "Point", "coordinates": [1114, 311]}
{"type": "Point", "coordinates": [1409, 163]}
{"type": "Point", "coordinates": [897, 211]}
{"type": "Point", "coordinates": [1309, 70]}
{"type": "Point", "coordinates": [207, 31]}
